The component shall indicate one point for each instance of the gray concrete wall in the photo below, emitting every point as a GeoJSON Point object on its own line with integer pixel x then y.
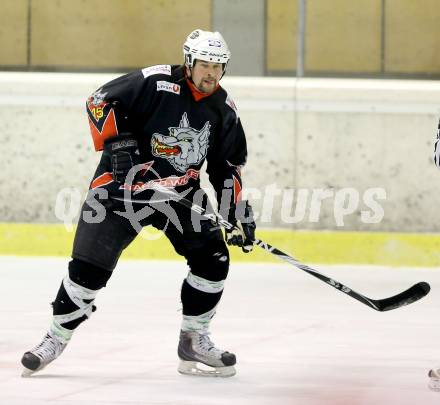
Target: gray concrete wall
{"type": "Point", "coordinates": [242, 23]}
{"type": "Point", "coordinates": [303, 136]}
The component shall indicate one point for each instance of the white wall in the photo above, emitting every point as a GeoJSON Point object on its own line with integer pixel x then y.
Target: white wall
{"type": "Point", "coordinates": [302, 134]}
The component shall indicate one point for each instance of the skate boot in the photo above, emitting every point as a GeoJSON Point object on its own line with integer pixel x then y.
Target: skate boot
{"type": "Point", "coordinates": [44, 353]}
{"type": "Point", "coordinates": [199, 356]}
{"type": "Point", "coordinates": [434, 382]}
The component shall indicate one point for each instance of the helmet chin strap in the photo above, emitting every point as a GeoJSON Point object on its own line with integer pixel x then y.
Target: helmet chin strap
{"type": "Point", "coordinates": [189, 77]}
{"type": "Point", "coordinates": [224, 70]}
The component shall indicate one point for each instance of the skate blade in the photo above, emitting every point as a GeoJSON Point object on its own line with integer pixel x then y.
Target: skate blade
{"type": "Point", "coordinates": [27, 372]}
{"type": "Point", "coordinates": [434, 382]}
{"type": "Point", "coordinates": [200, 369]}
{"type": "Point", "coordinates": [434, 385]}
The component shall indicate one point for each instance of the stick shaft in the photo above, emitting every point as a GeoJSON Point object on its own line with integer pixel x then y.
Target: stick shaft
{"type": "Point", "coordinates": [406, 297]}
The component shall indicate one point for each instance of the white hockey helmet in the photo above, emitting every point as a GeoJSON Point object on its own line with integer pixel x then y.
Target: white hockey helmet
{"type": "Point", "coordinates": [206, 45]}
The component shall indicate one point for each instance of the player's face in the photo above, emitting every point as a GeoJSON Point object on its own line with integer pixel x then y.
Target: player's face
{"type": "Point", "coordinates": [206, 75]}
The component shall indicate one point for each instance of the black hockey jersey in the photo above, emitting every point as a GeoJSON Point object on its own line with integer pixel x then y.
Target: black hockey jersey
{"type": "Point", "coordinates": [176, 131]}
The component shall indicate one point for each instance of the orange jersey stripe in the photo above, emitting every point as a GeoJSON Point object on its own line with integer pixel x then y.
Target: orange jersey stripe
{"type": "Point", "coordinates": [237, 190]}
{"type": "Point", "coordinates": [102, 180]}
{"type": "Point", "coordinates": [108, 130]}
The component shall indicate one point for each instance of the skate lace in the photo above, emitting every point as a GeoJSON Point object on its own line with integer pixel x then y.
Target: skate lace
{"type": "Point", "coordinates": [206, 346]}
{"type": "Point", "coordinates": [48, 349]}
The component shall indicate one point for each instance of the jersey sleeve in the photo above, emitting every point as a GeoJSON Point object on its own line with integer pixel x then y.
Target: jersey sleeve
{"type": "Point", "coordinates": [227, 159]}
{"type": "Point", "coordinates": [114, 108]}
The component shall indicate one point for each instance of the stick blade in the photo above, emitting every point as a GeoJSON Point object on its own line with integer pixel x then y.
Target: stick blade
{"type": "Point", "coordinates": [406, 297]}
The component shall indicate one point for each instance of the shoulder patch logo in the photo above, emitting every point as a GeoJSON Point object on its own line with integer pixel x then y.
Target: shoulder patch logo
{"type": "Point", "coordinates": [156, 70]}
{"type": "Point", "coordinates": [97, 98]}
{"type": "Point", "coordinates": [167, 86]}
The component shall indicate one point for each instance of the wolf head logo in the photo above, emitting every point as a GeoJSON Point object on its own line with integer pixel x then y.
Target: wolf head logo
{"type": "Point", "coordinates": [184, 146]}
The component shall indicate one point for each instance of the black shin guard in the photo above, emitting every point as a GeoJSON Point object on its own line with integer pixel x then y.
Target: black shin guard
{"type": "Point", "coordinates": [64, 305]}
{"type": "Point", "coordinates": [84, 275]}
{"type": "Point", "coordinates": [196, 302]}
{"type": "Point", "coordinates": [88, 275]}
{"type": "Point", "coordinates": [203, 288]}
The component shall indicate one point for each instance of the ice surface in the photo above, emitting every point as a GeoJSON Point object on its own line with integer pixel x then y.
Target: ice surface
{"type": "Point", "coordinates": [297, 340]}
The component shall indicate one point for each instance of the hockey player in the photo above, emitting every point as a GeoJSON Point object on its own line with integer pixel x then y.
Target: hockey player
{"type": "Point", "coordinates": [169, 119]}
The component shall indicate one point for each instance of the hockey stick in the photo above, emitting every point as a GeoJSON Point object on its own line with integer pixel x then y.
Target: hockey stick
{"type": "Point", "coordinates": [412, 294]}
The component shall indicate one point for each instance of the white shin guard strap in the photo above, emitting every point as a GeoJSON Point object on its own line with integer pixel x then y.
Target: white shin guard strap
{"type": "Point", "coordinates": [198, 323]}
{"type": "Point", "coordinates": [81, 297]}
{"type": "Point", "coordinates": [61, 333]}
{"type": "Point", "coordinates": [204, 285]}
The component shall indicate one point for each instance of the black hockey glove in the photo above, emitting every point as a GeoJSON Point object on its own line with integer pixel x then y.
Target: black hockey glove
{"type": "Point", "coordinates": [123, 152]}
{"type": "Point", "coordinates": [242, 217]}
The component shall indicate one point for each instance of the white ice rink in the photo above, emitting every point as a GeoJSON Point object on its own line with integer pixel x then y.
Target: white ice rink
{"type": "Point", "coordinates": [297, 340]}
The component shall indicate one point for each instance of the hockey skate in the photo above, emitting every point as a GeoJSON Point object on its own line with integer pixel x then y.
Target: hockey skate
{"type": "Point", "coordinates": [41, 355]}
{"type": "Point", "coordinates": [434, 382]}
{"type": "Point", "coordinates": [199, 356]}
